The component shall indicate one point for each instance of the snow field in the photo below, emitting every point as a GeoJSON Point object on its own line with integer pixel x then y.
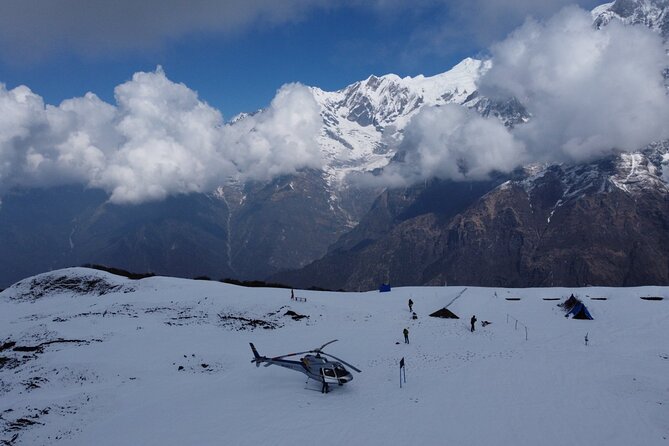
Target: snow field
{"type": "Point", "coordinates": [491, 386]}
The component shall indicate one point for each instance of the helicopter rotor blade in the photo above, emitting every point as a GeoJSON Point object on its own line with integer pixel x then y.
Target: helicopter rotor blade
{"type": "Point", "coordinates": [291, 354]}
{"type": "Point", "coordinates": [323, 346]}
{"type": "Point", "coordinates": [343, 362]}
{"type": "Point", "coordinates": [316, 350]}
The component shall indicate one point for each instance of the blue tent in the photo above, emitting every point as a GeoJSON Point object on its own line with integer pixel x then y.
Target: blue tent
{"type": "Point", "coordinates": [580, 311]}
{"type": "Point", "coordinates": [384, 288]}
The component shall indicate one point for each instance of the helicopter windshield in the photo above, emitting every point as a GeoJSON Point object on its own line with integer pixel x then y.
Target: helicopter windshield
{"type": "Point", "coordinates": [329, 372]}
{"type": "Point", "coordinates": [340, 370]}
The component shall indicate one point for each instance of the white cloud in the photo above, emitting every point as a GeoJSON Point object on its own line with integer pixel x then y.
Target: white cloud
{"type": "Point", "coordinates": [591, 93]}
{"type": "Point", "coordinates": [160, 139]}
{"type": "Point", "coordinates": [280, 139]}
{"type": "Point", "coordinates": [171, 142]}
{"type": "Point", "coordinates": [456, 143]}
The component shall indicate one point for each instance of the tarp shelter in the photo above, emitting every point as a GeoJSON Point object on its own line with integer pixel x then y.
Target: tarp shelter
{"type": "Point", "coordinates": [580, 312]}
{"type": "Point", "coordinates": [384, 288]}
{"type": "Point", "coordinates": [445, 313]}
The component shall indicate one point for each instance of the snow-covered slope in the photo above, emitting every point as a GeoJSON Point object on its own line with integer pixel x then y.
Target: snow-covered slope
{"type": "Point", "coordinates": [653, 14]}
{"type": "Point", "coordinates": [90, 358]}
{"type": "Point", "coordinates": [633, 173]}
{"type": "Point", "coordinates": [360, 120]}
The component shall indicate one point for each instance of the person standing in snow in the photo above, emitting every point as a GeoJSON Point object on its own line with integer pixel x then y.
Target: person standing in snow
{"type": "Point", "coordinates": [410, 305]}
{"type": "Point", "coordinates": [406, 335]}
{"type": "Point", "coordinates": [473, 321]}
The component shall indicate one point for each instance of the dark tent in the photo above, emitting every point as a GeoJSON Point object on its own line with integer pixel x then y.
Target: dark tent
{"type": "Point", "coordinates": [570, 303]}
{"type": "Point", "coordinates": [580, 312]}
{"type": "Point", "coordinates": [444, 313]}
{"type": "Point", "coordinates": [384, 288]}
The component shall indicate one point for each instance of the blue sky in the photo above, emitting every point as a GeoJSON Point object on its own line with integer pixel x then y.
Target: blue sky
{"type": "Point", "coordinates": [236, 54]}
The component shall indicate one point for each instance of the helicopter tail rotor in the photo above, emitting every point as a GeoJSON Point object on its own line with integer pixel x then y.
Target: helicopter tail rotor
{"type": "Point", "coordinates": [257, 358]}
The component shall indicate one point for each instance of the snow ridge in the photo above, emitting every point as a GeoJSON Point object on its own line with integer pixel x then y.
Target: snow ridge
{"type": "Point", "coordinates": [361, 121]}
{"type": "Point", "coordinates": [653, 14]}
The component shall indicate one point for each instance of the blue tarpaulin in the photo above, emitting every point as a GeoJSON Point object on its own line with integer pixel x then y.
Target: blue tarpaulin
{"type": "Point", "coordinates": [384, 288]}
{"type": "Point", "coordinates": [580, 311]}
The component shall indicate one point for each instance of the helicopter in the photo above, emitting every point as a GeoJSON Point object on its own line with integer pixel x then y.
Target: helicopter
{"type": "Point", "coordinates": [316, 367]}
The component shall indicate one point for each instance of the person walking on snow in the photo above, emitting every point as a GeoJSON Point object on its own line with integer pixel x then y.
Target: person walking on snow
{"type": "Point", "coordinates": [473, 321]}
{"type": "Point", "coordinates": [406, 335]}
{"type": "Point", "coordinates": [410, 305]}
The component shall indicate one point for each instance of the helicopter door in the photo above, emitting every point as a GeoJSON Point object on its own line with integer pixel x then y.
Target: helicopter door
{"type": "Point", "coordinates": [329, 375]}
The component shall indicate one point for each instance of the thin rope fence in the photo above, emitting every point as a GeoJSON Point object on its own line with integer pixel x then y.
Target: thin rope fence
{"type": "Point", "coordinates": [516, 323]}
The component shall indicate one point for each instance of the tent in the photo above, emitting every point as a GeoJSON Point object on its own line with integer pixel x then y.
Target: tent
{"type": "Point", "coordinates": [384, 288]}
{"type": "Point", "coordinates": [570, 303]}
{"type": "Point", "coordinates": [580, 311]}
{"type": "Point", "coordinates": [445, 313]}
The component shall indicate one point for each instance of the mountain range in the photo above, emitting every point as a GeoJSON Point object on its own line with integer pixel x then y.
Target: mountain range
{"type": "Point", "coordinates": [596, 223]}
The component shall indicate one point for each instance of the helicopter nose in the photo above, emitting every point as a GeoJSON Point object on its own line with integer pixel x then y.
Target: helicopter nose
{"type": "Point", "coordinates": [346, 378]}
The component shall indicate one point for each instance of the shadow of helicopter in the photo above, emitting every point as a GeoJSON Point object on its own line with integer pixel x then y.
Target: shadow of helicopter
{"type": "Point", "coordinates": [316, 367]}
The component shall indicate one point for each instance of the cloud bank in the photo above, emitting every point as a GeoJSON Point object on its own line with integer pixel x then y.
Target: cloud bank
{"type": "Point", "coordinates": [456, 143]}
{"type": "Point", "coordinates": [34, 29]}
{"type": "Point", "coordinates": [590, 93]}
{"type": "Point", "coordinates": [159, 139]}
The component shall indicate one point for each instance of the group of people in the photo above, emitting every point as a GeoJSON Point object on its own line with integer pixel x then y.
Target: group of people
{"type": "Point", "coordinates": [472, 321]}
{"type": "Point", "coordinates": [405, 332]}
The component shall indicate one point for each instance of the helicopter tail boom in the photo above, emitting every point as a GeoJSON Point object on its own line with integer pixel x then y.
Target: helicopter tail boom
{"type": "Point", "coordinates": [258, 359]}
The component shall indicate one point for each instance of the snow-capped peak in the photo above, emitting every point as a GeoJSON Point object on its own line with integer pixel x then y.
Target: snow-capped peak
{"type": "Point", "coordinates": [357, 117]}
{"type": "Point", "coordinates": [384, 100]}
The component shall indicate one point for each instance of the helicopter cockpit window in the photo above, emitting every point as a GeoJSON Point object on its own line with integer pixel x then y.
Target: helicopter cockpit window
{"type": "Point", "coordinates": [340, 371]}
{"type": "Point", "coordinates": [329, 372]}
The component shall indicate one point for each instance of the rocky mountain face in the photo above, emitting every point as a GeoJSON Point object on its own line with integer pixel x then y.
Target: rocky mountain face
{"type": "Point", "coordinates": [245, 232]}
{"type": "Point", "coordinates": [604, 223]}
{"type": "Point", "coordinates": [284, 224]}
{"type": "Point", "coordinates": [45, 229]}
